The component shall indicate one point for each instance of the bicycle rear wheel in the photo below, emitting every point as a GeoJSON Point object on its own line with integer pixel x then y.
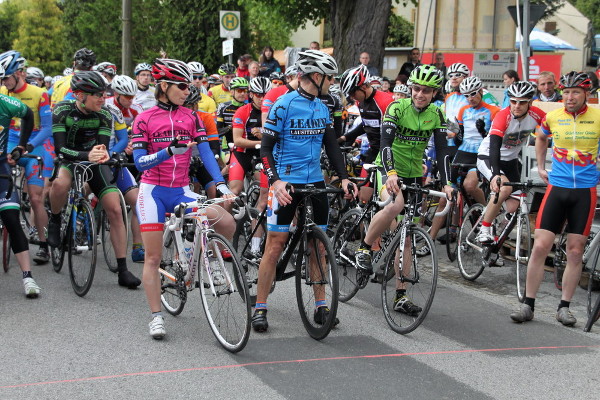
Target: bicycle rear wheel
{"type": "Point", "coordinates": [82, 248]}
{"type": "Point", "coordinates": [593, 281]}
{"type": "Point", "coordinates": [225, 295]}
{"type": "Point", "coordinates": [522, 252]}
{"type": "Point", "coordinates": [107, 246]}
{"type": "Point", "coordinates": [173, 292]}
{"type": "Point", "coordinates": [470, 262]}
{"type": "Point", "coordinates": [418, 278]}
{"type": "Point", "coordinates": [248, 259]}
{"type": "Point", "coordinates": [57, 254]}
{"type": "Point", "coordinates": [347, 238]}
{"type": "Point", "coordinates": [317, 280]}
{"type": "Point", "coordinates": [453, 222]}
{"type": "Point", "coordinates": [5, 249]}
{"type": "Point", "coordinates": [253, 192]}
{"type": "Point", "coordinates": [560, 260]}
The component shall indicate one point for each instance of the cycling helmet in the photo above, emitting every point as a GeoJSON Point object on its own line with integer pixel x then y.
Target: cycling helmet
{"type": "Point", "coordinates": [122, 84]}
{"type": "Point", "coordinates": [276, 76]}
{"type": "Point", "coordinates": [88, 82]}
{"type": "Point", "coordinates": [193, 97]}
{"type": "Point", "coordinates": [107, 67]}
{"type": "Point", "coordinates": [426, 75]}
{"type": "Point", "coordinates": [85, 58]}
{"type": "Point", "coordinates": [375, 80]}
{"type": "Point", "coordinates": [260, 84]}
{"type": "Point", "coordinates": [56, 78]}
{"type": "Point", "coordinates": [11, 61]}
{"type": "Point", "coordinates": [448, 87]}
{"type": "Point", "coordinates": [213, 80]}
{"type": "Point", "coordinates": [47, 78]}
{"type": "Point", "coordinates": [1, 72]}
{"type": "Point", "coordinates": [521, 89]}
{"type": "Point", "coordinates": [226, 69]}
{"type": "Point", "coordinates": [142, 67]}
{"type": "Point", "coordinates": [34, 72]}
{"type": "Point", "coordinates": [238, 83]}
{"type": "Point", "coordinates": [292, 70]}
{"type": "Point", "coordinates": [353, 78]}
{"type": "Point", "coordinates": [167, 69]}
{"type": "Point", "coordinates": [470, 84]}
{"type": "Point", "coordinates": [335, 89]}
{"type": "Point", "coordinates": [575, 79]}
{"type": "Point", "coordinates": [203, 90]}
{"type": "Point", "coordinates": [197, 68]}
{"type": "Point", "coordinates": [310, 61]}
{"type": "Point", "coordinates": [458, 67]}
{"type": "Point", "coordinates": [402, 89]}
{"type": "Point", "coordinates": [67, 71]}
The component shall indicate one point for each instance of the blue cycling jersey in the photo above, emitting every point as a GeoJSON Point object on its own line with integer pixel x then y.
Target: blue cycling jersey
{"type": "Point", "coordinates": [297, 121]}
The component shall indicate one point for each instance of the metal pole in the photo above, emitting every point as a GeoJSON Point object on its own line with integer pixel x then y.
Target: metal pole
{"type": "Point", "coordinates": [126, 65]}
{"type": "Point", "coordinates": [526, 49]}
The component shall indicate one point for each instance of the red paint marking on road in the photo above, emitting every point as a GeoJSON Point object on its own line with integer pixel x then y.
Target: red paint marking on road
{"type": "Point", "coordinates": [260, 363]}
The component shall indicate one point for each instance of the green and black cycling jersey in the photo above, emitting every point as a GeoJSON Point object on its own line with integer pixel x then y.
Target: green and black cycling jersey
{"type": "Point", "coordinates": [405, 132]}
{"type": "Point", "coordinates": [75, 133]}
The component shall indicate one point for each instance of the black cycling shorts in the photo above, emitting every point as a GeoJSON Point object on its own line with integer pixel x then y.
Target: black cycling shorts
{"type": "Point", "coordinates": [575, 206]}
{"type": "Point", "coordinates": [280, 221]}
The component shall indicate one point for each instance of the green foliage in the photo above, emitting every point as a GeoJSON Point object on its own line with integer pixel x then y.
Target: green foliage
{"type": "Point", "coordinates": [552, 7]}
{"type": "Point", "coordinates": [400, 32]}
{"type": "Point", "coordinates": [266, 27]}
{"type": "Point", "coordinates": [38, 21]}
{"type": "Point", "coordinates": [9, 9]}
{"type": "Point", "coordinates": [591, 9]}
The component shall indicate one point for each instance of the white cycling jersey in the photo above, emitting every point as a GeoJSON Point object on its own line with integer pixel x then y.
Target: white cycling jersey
{"type": "Point", "coordinates": [145, 98]}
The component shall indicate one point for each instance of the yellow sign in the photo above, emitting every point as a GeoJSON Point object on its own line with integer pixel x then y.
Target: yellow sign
{"type": "Point", "coordinates": [230, 21]}
{"type": "Point", "coordinates": [229, 24]}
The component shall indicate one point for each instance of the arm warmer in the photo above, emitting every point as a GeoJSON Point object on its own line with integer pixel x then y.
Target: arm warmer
{"type": "Point", "coordinates": [144, 161]}
{"type": "Point", "coordinates": [210, 163]}
{"type": "Point", "coordinates": [334, 153]}
{"type": "Point", "coordinates": [440, 142]}
{"type": "Point", "coordinates": [354, 133]}
{"type": "Point", "coordinates": [45, 130]}
{"type": "Point", "coordinates": [267, 144]}
{"type": "Point", "coordinates": [26, 128]}
{"type": "Point", "coordinates": [121, 141]}
{"type": "Point", "coordinates": [495, 143]}
{"type": "Point", "coordinates": [388, 132]}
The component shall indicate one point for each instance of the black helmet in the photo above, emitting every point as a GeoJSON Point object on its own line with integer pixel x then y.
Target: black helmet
{"type": "Point", "coordinates": [226, 69]}
{"type": "Point", "coordinates": [85, 58]}
{"type": "Point", "coordinates": [88, 82]}
{"type": "Point", "coordinates": [193, 97]}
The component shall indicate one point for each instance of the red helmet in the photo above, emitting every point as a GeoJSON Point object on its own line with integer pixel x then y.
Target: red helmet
{"type": "Point", "coordinates": [166, 69]}
{"type": "Point", "coordinates": [575, 79]}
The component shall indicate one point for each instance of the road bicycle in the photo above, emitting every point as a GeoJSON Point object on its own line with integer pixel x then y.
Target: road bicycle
{"type": "Point", "coordinates": [191, 248]}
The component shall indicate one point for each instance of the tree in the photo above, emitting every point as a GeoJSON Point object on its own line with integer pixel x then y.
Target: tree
{"type": "Point", "coordinates": [400, 33]}
{"type": "Point", "coordinates": [39, 36]}
{"type": "Point", "coordinates": [591, 9]}
{"type": "Point", "coordinates": [9, 9]}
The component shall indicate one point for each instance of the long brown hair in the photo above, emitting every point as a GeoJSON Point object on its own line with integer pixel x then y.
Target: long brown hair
{"type": "Point", "coordinates": [263, 58]}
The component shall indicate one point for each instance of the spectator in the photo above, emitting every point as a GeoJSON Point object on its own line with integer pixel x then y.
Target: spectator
{"type": "Point", "coordinates": [385, 85]}
{"type": "Point", "coordinates": [314, 46]}
{"type": "Point", "coordinates": [253, 70]}
{"type": "Point", "coordinates": [509, 77]}
{"type": "Point", "coordinates": [546, 83]}
{"type": "Point", "coordinates": [365, 58]}
{"type": "Point", "coordinates": [439, 64]}
{"type": "Point", "coordinates": [407, 67]}
{"type": "Point", "coordinates": [242, 69]}
{"type": "Point", "coordinates": [268, 64]}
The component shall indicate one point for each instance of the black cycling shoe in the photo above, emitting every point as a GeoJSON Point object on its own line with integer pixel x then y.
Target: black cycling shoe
{"type": "Point", "coordinates": [321, 315]}
{"type": "Point", "coordinates": [127, 279]}
{"type": "Point", "coordinates": [363, 260]}
{"type": "Point", "coordinates": [259, 320]}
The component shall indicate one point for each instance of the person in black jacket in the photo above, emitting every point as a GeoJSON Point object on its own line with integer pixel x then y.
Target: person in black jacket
{"type": "Point", "coordinates": [268, 64]}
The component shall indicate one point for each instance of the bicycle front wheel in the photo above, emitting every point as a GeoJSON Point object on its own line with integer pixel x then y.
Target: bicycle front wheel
{"type": "Point", "coordinates": [408, 295]}
{"type": "Point", "coordinates": [453, 220]}
{"type": "Point", "coordinates": [173, 292]}
{"type": "Point", "coordinates": [317, 281]}
{"type": "Point", "coordinates": [107, 246]}
{"type": "Point", "coordinates": [347, 238]}
{"type": "Point", "coordinates": [5, 249]}
{"type": "Point", "coordinates": [224, 292]}
{"type": "Point", "coordinates": [82, 248]}
{"type": "Point", "coordinates": [470, 262]}
{"type": "Point", "coordinates": [593, 281]}
{"type": "Point", "coordinates": [522, 252]}
{"type": "Point", "coordinates": [242, 242]}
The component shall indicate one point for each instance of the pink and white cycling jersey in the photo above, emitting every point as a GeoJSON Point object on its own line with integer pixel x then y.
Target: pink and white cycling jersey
{"type": "Point", "coordinates": [154, 129]}
{"type": "Point", "coordinates": [514, 133]}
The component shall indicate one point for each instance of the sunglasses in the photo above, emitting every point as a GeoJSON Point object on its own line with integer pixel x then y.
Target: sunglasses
{"type": "Point", "coordinates": [128, 97]}
{"type": "Point", "coordinates": [180, 85]}
{"type": "Point", "coordinates": [329, 77]}
{"type": "Point", "coordinates": [240, 91]}
{"type": "Point", "coordinates": [98, 95]}
{"type": "Point", "coordinates": [456, 75]}
{"type": "Point", "coordinates": [422, 89]}
{"type": "Point", "coordinates": [277, 82]}
{"type": "Point", "coordinates": [198, 77]}
{"type": "Point", "coordinates": [258, 94]}
{"type": "Point", "coordinates": [472, 94]}
{"type": "Point", "coordinates": [519, 102]}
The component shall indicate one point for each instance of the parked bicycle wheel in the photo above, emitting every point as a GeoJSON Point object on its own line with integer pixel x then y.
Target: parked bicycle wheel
{"type": "Point", "coordinates": [107, 246]}
{"type": "Point", "coordinates": [418, 278]}
{"type": "Point", "coordinates": [347, 238]}
{"type": "Point", "coordinates": [522, 252]}
{"type": "Point", "coordinates": [5, 249]}
{"type": "Point", "coordinates": [453, 221]}
{"type": "Point", "coordinates": [560, 260]}
{"type": "Point", "coordinates": [593, 289]}
{"type": "Point", "coordinates": [57, 254]}
{"type": "Point", "coordinates": [470, 262]}
{"type": "Point", "coordinates": [316, 279]}
{"type": "Point", "coordinates": [225, 295]}
{"type": "Point", "coordinates": [253, 192]}
{"type": "Point", "coordinates": [249, 260]}
{"type": "Point", "coordinates": [82, 248]}
{"type": "Point", "coordinates": [173, 292]}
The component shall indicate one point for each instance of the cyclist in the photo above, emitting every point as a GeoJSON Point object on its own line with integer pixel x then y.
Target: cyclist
{"type": "Point", "coordinates": [37, 100]}
{"type": "Point", "coordinates": [165, 181]}
{"type": "Point", "coordinates": [205, 102]}
{"type": "Point", "coordinates": [82, 130]}
{"type": "Point", "coordinates": [222, 93]}
{"type": "Point", "coordinates": [125, 89]}
{"type": "Point", "coordinates": [571, 192]}
{"type": "Point", "coordinates": [407, 126]}
{"type": "Point", "coordinates": [498, 155]}
{"type": "Point", "coordinates": [83, 60]}
{"type": "Point", "coordinates": [145, 93]}
{"type": "Point", "coordinates": [36, 76]}
{"type": "Point", "coordinates": [297, 126]}
{"type": "Point", "coordinates": [277, 79]}
{"type": "Point", "coordinates": [108, 70]}
{"type": "Point", "coordinates": [9, 208]}
{"type": "Point", "coordinates": [291, 85]}
{"type": "Point", "coordinates": [401, 92]}
{"type": "Point", "coordinates": [226, 110]}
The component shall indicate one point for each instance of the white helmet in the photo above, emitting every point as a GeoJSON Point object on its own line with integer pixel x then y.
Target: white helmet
{"type": "Point", "coordinates": [197, 68]}
{"type": "Point", "coordinates": [122, 84]}
{"type": "Point", "coordinates": [458, 67]}
{"type": "Point", "coordinates": [402, 89]}
{"type": "Point", "coordinates": [260, 84]}
{"type": "Point", "coordinates": [142, 67]}
{"type": "Point", "coordinates": [67, 71]}
{"type": "Point", "coordinates": [34, 72]}
{"type": "Point", "coordinates": [56, 78]}
{"type": "Point", "coordinates": [292, 70]}
{"type": "Point", "coordinates": [447, 87]}
{"type": "Point", "coordinates": [47, 78]}
{"type": "Point", "coordinates": [470, 84]}
{"type": "Point", "coordinates": [107, 67]}
{"type": "Point", "coordinates": [310, 61]}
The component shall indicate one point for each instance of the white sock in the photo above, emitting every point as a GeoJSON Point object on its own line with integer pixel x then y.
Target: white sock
{"type": "Point", "coordinates": [255, 244]}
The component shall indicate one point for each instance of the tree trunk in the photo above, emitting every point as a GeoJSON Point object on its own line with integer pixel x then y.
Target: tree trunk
{"type": "Point", "coordinates": [357, 26]}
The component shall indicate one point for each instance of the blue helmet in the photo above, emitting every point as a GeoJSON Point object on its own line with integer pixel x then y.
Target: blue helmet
{"type": "Point", "coordinates": [11, 61]}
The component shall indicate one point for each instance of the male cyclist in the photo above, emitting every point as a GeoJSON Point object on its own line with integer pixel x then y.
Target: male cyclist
{"type": "Point", "coordinates": [145, 93]}
{"type": "Point", "coordinates": [83, 60]}
{"type": "Point", "coordinates": [222, 93]}
{"type": "Point", "coordinates": [226, 110]}
{"type": "Point", "coordinates": [205, 102]}
{"type": "Point", "coordinates": [571, 192]}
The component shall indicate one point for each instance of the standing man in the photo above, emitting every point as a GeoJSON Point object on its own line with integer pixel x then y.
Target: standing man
{"type": "Point", "coordinates": [571, 193]}
{"type": "Point", "coordinates": [145, 93]}
{"type": "Point", "coordinates": [407, 67]}
{"type": "Point", "coordinates": [222, 93]}
{"type": "Point", "coordinates": [83, 60]}
{"type": "Point", "coordinates": [546, 84]}
{"type": "Point", "coordinates": [365, 58]}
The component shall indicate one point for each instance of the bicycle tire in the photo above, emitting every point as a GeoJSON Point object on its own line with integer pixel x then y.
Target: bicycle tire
{"type": "Point", "coordinates": [345, 242]}
{"type": "Point", "coordinates": [336, 202]}
{"type": "Point", "coordinates": [227, 310]}
{"type": "Point", "coordinates": [560, 260]}
{"type": "Point", "coordinates": [593, 281]}
{"type": "Point", "coordinates": [249, 261]}
{"type": "Point", "coordinates": [306, 285]}
{"type": "Point", "coordinates": [173, 294]}
{"type": "Point", "coordinates": [421, 286]}
{"type": "Point", "coordinates": [83, 248]}
{"type": "Point", "coordinates": [470, 262]}
{"type": "Point", "coordinates": [522, 252]}
{"type": "Point", "coordinates": [452, 228]}
{"type": "Point", "coordinates": [253, 192]}
{"type": "Point", "coordinates": [5, 249]}
{"type": "Point", "coordinates": [107, 246]}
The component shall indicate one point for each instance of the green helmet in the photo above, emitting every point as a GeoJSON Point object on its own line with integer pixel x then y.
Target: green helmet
{"type": "Point", "coordinates": [426, 75]}
{"type": "Point", "coordinates": [238, 83]}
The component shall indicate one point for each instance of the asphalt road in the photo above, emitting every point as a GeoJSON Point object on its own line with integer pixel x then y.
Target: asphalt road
{"type": "Point", "coordinates": [60, 346]}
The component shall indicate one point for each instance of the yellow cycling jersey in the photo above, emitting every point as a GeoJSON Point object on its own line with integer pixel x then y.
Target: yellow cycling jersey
{"type": "Point", "coordinates": [60, 90]}
{"type": "Point", "coordinates": [36, 99]}
{"type": "Point", "coordinates": [220, 94]}
{"type": "Point", "coordinates": [207, 104]}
